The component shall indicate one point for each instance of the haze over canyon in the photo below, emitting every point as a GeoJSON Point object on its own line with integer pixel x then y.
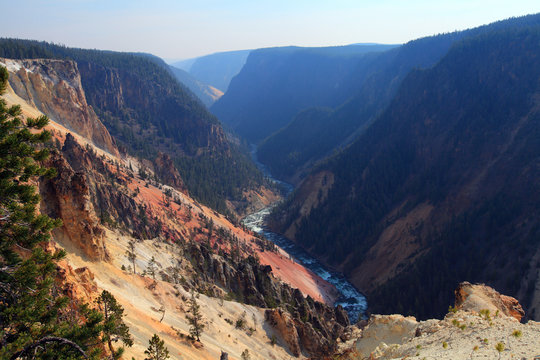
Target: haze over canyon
{"type": "Point", "coordinates": [365, 201]}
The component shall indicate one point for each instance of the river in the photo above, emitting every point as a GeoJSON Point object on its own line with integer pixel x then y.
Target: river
{"type": "Point", "coordinates": [351, 299]}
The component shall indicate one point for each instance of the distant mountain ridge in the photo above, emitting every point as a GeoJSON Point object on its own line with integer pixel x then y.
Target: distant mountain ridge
{"type": "Point", "coordinates": [206, 93]}
{"type": "Point", "coordinates": [442, 186]}
{"type": "Point", "coordinates": [216, 69]}
{"type": "Point", "coordinates": [148, 111]}
{"type": "Point", "coordinates": [276, 83]}
{"type": "Point", "coordinates": [294, 149]}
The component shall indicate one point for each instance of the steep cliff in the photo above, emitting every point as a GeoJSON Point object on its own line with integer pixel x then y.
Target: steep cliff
{"type": "Point", "coordinates": [105, 202]}
{"type": "Point", "coordinates": [68, 197]}
{"type": "Point", "coordinates": [148, 111]}
{"type": "Point", "coordinates": [444, 183]}
{"type": "Point", "coordinates": [167, 173]}
{"type": "Point", "coordinates": [54, 88]}
{"type": "Point", "coordinates": [276, 83]}
{"type": "Point", "coordinates": [317, 133]}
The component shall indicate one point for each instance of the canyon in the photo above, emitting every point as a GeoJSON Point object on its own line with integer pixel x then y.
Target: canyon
{"type": "Point", "coordinates": [104, 204]}
{"type": "Point", "coordinates": [415, 170]}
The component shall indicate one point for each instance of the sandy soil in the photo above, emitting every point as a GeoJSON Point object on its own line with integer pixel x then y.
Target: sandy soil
{"type": "Point", "coordinates": [141, 297]}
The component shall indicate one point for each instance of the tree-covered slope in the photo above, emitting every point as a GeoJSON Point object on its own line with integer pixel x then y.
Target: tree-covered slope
{"type": "Point", "coordinates": [147, 110]}
{"type": "Point", "coordinates": [290, 152]}
{"type": "Point", "coordinates": [442, 188]}
{"type": "Point", "coordinates": [276, 83]}
{"type": "Point", "coordinates": [206, 93]}
{"type": "Point", "coordinates": [216, 69]}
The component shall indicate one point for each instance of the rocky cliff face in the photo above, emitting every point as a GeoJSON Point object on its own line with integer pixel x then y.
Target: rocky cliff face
{"type": "Point", "coordinates": [89, 193]}
{"type": "Point", "coordinates": [444, 183]}
{"type": "Point", "coordinates": [167, 173]}
{"type": "Point", "coordinates": [54, 88]}
{"type": "Point", "coordinates": [68, 197]}
{"type": "Point", "coordinates": [306, 326]}
{"type": "Point", "coordinates": [106, 190]}
{"type": "Point", "coordinates": [315, 338]}
{"type": "Point", "coordinates": [141, 110]}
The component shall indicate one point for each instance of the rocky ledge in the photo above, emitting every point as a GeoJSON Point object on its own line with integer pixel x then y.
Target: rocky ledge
{"type": "Point", "coordinates": [482, 324]}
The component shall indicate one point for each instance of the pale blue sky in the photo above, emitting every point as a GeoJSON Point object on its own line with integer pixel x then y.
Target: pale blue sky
{"type": "Point", "coordinates": [184, 29]}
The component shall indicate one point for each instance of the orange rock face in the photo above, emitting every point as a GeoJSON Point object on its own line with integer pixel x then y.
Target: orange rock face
{"type": "Point", "coordinates": [54, 87]}
{"type": "Point", "coordinates": [77, 284]}
{"type": "Point", "coordinates": [477, 297]}
{"type": "Point", "coordinates": [282, 322]}
{"type": "Point", "coordinates": [67, 197]}
{"type": "Point", "coordinates": [165, 170]}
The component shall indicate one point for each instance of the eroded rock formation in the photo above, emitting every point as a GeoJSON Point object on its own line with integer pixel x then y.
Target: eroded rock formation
{"type": "Point", "coordinates": [67, 197]}
{"type": "Point", "coordinates": [282, 322]}
{"type": "Point", "coordinates": [304, 325]}
{"type": "Point", "coordinates": [54, 87]}
{"type": "Point", "coordinates": [469, 329]}
{"type": "Point", "coordinates": [478, 297]}
{"type": "Point", "coordinates": [167, 173]}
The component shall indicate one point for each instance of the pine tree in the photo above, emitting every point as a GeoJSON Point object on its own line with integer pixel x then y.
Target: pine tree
{"type": "Point", "coordinates": [131, 254]}
{"type": "Point", "coordinates": [114, 328]}
{"type": "Point", "coordinates": [19, 162]}
{"type": "Point", "coordinates": [156, 349]}
{"type": "Point", "coordinates": [151, 267]}
{"type": "Point", "coordinates": [162, 311]}
{"type": "Point", "coordinates": [195, 318]}
{"type": "Point", "coordinates": [34, 317]}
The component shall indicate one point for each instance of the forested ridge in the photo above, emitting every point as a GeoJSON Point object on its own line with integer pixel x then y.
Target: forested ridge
{"type": "Point", "coordinates": [312, 135]}
{"type": "Point", "coordinates": [147, 110]}
{"type": "Point", "coordinates": [461, 139]}
{"type": "Point", "coordinates": [277, 83]}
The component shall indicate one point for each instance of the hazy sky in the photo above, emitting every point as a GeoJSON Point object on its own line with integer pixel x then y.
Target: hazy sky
{"type": "Point", "coordinates": [183, 29]}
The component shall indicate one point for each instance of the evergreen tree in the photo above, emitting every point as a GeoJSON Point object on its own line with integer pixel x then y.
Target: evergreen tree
{"type": "Point", "coordinates": [151, 268]}
{"type": "Point", "coordinates": [156, 349]}
{"type": "Point", "coordinates": [18, 199]}
{"type": "Point", "coordinates": [34, 319]}
{"type": "Point", "coordinates": [195, 318]}
{"type": "Point", "coordinates": [131, 254]}
{"type": "Point", "coordinates": [162, 311]}
{"type": "Point", "coordinates": [114, 328]}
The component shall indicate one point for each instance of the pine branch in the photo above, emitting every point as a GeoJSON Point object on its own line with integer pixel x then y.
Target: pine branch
{"type": "Point", "coordinates": [46, 340]}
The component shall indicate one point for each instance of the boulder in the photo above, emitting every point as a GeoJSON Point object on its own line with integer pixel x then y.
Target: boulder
{"type": "Point", "coordinates": [387, 329]}
{"type": "Point", "coordinates": [477, 297]}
